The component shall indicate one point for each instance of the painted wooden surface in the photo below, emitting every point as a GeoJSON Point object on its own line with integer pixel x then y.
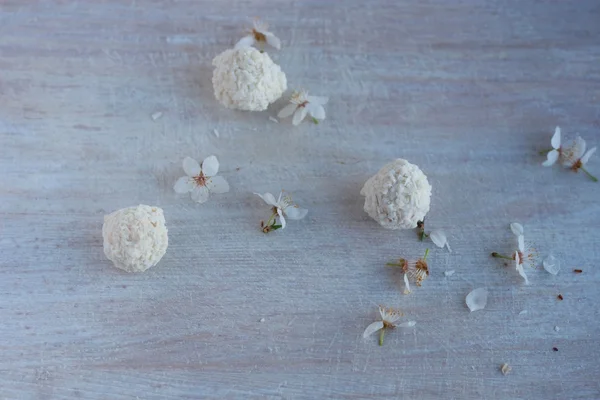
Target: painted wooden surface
{"type": "Point", "coordinates": [469, 90]}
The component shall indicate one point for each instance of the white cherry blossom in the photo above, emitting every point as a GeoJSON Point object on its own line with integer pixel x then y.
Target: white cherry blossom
{"type": "Point", "coordinates": [301, 105]}
{"type": "Point", "coordinates": [574, 156]}
{"type": "Point", "coordinates": [259, 35]}
{"type": "Point", "coordinates": [389, 317]}
{"type": "Point", "coordinates": [282, 207]}
{"type": "Point", "coordinates": [201, 181]}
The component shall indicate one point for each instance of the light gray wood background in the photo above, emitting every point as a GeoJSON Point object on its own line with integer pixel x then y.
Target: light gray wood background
{"type": "Point", "coordinates": [468, 90]}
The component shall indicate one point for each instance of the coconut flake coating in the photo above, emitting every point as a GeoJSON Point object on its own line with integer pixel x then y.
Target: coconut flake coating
{"type": "Point", "coordinates": [246, 79]}
{"type": "Point", "coordinates": [135, 238]}
{"type": "Point", "coordinates": [398, 195]}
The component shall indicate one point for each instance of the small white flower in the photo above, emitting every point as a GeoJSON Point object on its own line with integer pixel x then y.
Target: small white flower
{"type": "Point", "coordinates": [554, 154]}
{"type": "Point", "coordinates": [438, 237]}
{"type": "Point", "coordinates": [201, 181]}
{"type": "Point", "coordinates": [389, 316]}
{"type": "Point", "coordinates": [259, 34]}
{"type": "Point", "coordinates": [574, 156]}
{"type": "Point", "coordinates": [525, 255]}
{"type": "Point", "coordinates": [417, 270]}
{"type": "Point", "coordinates": [303, 104]}
{"type": "Point", "coordinates": [282, 207]}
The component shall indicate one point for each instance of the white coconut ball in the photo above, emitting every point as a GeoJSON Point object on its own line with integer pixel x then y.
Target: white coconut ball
{"type": "Point", "coordinates": [246, 79]}
{"type": "Point", "coordinates": [398, 195]}
{"type": "Point", "coordinates": [135, 238]}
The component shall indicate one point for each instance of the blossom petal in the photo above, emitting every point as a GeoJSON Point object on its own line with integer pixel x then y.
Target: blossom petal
{"type": "Point", "coordinates": [516, 228]}
{"type": "Point", "coordinates": [210, 166]}
{"type": "Point", "coordinates": [299, 115]}
{"type": "Point", "coordinates": [406, 284]}
{"type": "Point", "coordinates": [287, 110]}
{"type": "Point", "coordinates": [217, 184]}
{"type": "Point", "coordinates": [521, 240]}
{"type": "Point", "coordinates": [246, 41]}
{"type": "Point", "coordinates": [552, 157]}
{"type": "Point", "coordinates": [556, 138]}
{"type": "Point", "coordinates": [551, 264]}
{"type": "Point", "coordinates": [317, 100]}
{"type": "Point", "coordinates": [295, 212]}
{"type": "Point", "coordinates": [477, 299]}
{"type": "Point", "coordinates": [587, 155]}
{"type": "Point", "coordinates": [260, 26]}
{"type": "Point", "coordinates": [184, 185]}
{"type": "Point", "coordinates": [382, 312]}
{"type": "Point", "coordinates": [521, 272]}
{"type": "Point", "coordinates": [317, 111]}
{"type": "Point", "coordinates": [273, 40]}
{"type": "Point", "coordinates": [371, 329]}
{"type": "Point", "coordinates": [438, 237]}
{"type": "Point", "coordinates": [268, 198]}
{"type": "Point", "coordinates": [578, 147]}
{"type": "Point", "coordinates": [191, 167]}
{"type": "Point", "coordinates": [200, 194]}
{"type": "Point", "coordinates": [281, 217]}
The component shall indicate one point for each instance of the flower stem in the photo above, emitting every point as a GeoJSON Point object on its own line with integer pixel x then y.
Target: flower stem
{"type": "Point", "coordinates": [592, 177]}
{"type": "Point", "coordinates": [381, 335]}
{"type": "Point", "coordinates": [270, 224]}
{"type": "Point", "coordinates": [498, 255]}
{"type": "Point", "coordinates": [545, 151]}
{"type": "Point", "coordinates": [316, 121]}
{"type": "Point", "coordinates": [426, 254]}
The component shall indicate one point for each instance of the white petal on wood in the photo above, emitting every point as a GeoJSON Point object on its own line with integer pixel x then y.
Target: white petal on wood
{"type": "Point", "coordinates": [587, 155]}
{"type": "Point", "coordinates": [477, 299]}
{"type": "Point", "coordinates": [521, 241]}
{"type": "Point", "coordinates": [210, 166]}
{"type": "Point", "coordinates": [184, 185]}
{"type": "Point", "coordinates": [299, 116]}
{"type": "Point", "coordinates": [217, 184]}
{"type": "Point", "coordinates": [551, 158]}
{"type": "Point", "coordinates": [371, 329]}
{"type": "Point", "coordinates": [191, 167]}
{"type": "Point", "coordinates": [516, 228]}
{"type": "Point", "coordinates": [521, 272]}
{"type": "Point", "coordinates": [408, 324]}
{"type": "Point", "coordinates": [200, 194]}
{"type": "Point", "coordinates": [551, 264]}
{"type": "Point", "coordinates": [287, 111]}
{"type": "Point", "coordinates": [556, 138]}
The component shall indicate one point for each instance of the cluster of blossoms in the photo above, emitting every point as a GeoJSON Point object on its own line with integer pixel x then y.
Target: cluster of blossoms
{"type": "Point", "coordinates": [572, 155]}
{"type": "Point", "coordinates": [246, 78]}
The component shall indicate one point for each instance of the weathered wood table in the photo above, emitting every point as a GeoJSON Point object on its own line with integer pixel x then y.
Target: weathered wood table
{"type": "Point", "coordinates": [468, 90]}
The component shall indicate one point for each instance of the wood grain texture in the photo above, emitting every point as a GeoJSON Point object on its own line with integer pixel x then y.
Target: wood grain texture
{"type": "Point", "coordinates": [469, 90]}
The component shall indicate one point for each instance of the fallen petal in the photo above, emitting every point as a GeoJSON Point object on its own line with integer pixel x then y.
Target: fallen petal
{"type": "Point", "coordinates": [552, 265]}
{"type": "Point", "coordinates": [449, 273]}
{"type": "Point", "coordinates": [371, 329]}
{"type": "Point", "coordinates": [477, 299]}
{"type": "Point", "coordinates": [516, 228]}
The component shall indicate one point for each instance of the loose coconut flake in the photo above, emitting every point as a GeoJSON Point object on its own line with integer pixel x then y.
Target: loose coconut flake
{"type": "Point", "coordinates": [477, 299]}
